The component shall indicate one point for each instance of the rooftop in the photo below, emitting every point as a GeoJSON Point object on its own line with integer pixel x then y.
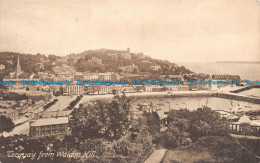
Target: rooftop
{"type": "Point", "coordinates": [50, 121]}
{"type": "Point", "coordinates": [244, 119]}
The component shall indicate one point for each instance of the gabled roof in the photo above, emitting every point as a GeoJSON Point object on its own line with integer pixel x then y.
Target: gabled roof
{"type": "Point", "coordinates": [244, 119]}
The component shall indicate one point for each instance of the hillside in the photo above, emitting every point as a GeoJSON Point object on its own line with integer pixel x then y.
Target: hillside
{"type": "Point", "coordinates": [118, 61]}
{"type": "Point", "coordinates": [92, 61]}
{"type": "Point", "coordinates": [29, 63]}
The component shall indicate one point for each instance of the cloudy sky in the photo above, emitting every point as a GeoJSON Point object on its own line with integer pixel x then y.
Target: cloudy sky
{"type": "Point", "coordinates": [176, 30]}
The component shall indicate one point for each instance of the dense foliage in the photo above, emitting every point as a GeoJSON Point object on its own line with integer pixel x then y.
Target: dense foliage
{"type": "Point", "coordinates": [74, 103]}
{"type": "Point", "coordinates": [6, 124]}
{"type": "Point", "coordinates": [102, 119]}
{"type": "Point", "coordinates": [186, 126]}
{"type": "Point", "coordinates": [104, 130]}
{"type": "Point", "coordinates": [29, 63]}
{"type": "Point", "coordinates": [45, 107]}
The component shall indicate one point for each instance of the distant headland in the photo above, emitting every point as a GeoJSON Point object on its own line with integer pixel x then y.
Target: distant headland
{"type": "Point", "coordinates": [240, 62]}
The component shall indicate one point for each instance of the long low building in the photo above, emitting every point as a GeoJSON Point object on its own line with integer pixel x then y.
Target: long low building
{"type": "Point", "coordinates": [49, 127]}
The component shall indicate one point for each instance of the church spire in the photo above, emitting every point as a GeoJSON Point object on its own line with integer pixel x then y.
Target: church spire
{"type": "Point", "coordinates": [18, 70]}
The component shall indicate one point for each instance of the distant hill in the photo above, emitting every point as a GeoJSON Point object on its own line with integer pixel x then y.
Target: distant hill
{"type": "Point", "coordinates": [116, 60]}
{"type": "Point", "coordinates": [98, 61]}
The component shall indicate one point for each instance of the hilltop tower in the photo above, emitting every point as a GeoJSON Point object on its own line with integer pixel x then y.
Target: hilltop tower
{"type": "Point", "coordinates": [128, 50]}
{"type": "Point", "coordinates": [18, 69]}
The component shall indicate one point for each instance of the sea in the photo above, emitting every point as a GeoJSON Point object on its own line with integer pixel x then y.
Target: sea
{"type": "Point", "coordinates": [247, 71]}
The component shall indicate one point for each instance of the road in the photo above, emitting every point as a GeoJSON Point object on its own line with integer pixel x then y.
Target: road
{"type": "Point", "coordinates": [245, 136]}
{"type": "Point", "coordinates": [21, 129]}
{"type": "Point", "coordinates": [62, 103]}
{"type": "Point", "coordinates": [156, 156]}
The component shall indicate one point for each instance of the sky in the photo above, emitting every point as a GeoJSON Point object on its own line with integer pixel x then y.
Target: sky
{"type": "Point", "coordinates": [174, 30]}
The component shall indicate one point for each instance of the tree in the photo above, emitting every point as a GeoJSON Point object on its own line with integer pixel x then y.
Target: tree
{"type": "Point", "coordinates": [96, 145]}
{"type": "Point", "coordinates": [133, 149]}
{"type": "Point", "coordinates": [178, 131]}
{"type": "Point", "coordinates": [182, 114]}
{"type": "Point", "coordinates": [114, 92]}
{"type": "Point", "coordinates": [153, 122]}
{"type": "Point", "coordinates": [102, 119]}
{"type": "Point", "coordinates": [6, 124]}
{"type": "Point", "coordinates": [199, 129]}
{"type": "Point", "coordinates": [107, 128]}
{"type": "Point", "coordinates": [215, 124]}
{"type": "Point", "coordinates": [184, 124]}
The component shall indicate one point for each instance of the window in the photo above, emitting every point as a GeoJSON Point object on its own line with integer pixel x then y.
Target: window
{"type": "Point", "coordinates": [62, 130]}
{"type": "Point", "coordinates": [42, 128]}
{"type": "Point", "coordinates": [42, 133]}
{"type": "Point", "coordinates": [33, 128]}
{"type": "Point", "coordinates": [49, 128]}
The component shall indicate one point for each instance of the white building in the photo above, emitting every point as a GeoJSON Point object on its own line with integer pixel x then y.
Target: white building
{"type": "Point", "coordinates": [155, 67]}
{"type": "Point", "coordinates": [75, 90]}
{"type": "Point", "coordinates": [91, 77]}
{"type": "Point", "coordinates": [2, 67]}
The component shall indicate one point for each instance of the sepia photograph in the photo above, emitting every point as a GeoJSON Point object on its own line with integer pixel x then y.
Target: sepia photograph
{"type": "Point", "coordinates": [139, 81]}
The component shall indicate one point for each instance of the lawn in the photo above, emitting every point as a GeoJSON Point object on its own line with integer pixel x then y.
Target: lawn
{"type": "Point", "coordinates": [215, 149]}
{"type": "Point", "coordinates": [188, 155]}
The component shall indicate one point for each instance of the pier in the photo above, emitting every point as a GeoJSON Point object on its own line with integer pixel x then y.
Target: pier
{"type": "Point", "coordinates": [238, 97]}
{"type": "Point", "coordinates": [245, 88]}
